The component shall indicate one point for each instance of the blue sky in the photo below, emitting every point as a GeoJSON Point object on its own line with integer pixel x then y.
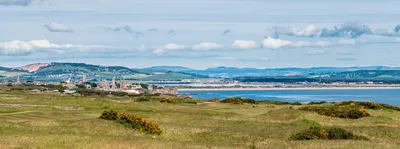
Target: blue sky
{"type": "Point", "coordinates": [201, 33]}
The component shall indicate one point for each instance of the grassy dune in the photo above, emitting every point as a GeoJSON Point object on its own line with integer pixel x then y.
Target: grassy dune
{"type": "Point", "coordinates": [184, 125]}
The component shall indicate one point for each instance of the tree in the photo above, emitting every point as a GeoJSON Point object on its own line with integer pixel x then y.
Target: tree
{"type": "Point", "coordinates": [81, 86]}
{"type": "Point", "coordinates": [61, 88]}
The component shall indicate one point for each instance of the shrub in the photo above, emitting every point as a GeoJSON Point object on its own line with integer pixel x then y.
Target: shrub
{"type": "Point", "coordinates": [343, 111]}
{"type": "Point", "coordinates": [132, 121]}
{"type": "Point", "coordinates": [167, 100]}
{"type": "Point", "coordinates": [216, 100]}
{"type": "Point", "coordinates": [109, 115]}
{"type": "Point", "coordinates": [326, 133]}
{"type": "Point", "coordinates": [141, 99]}
{"type": "Point", "coordinates": [238, 100]}
{"type": "Point", "coordinates": [317, 102]}
{"type": "Point", "coordinates": [368, 105]}
{"type": "Point", "coordinates": [279, 102]}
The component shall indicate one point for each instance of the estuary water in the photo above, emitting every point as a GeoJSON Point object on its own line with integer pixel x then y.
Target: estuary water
{"type": "Point", "coordinates": [388, 96]}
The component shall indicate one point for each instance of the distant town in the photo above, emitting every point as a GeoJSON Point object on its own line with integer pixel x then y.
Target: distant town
{"type": "Point", "coordinates": [170, 79]}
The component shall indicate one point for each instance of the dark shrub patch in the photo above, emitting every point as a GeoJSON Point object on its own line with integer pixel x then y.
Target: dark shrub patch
{"type": "Point", "coordinates": [238, 100]}
{"type": "Point", "coordinates": [278, 102]}
{"type": "Point", "coordinates": [326, 133]}
{"type": "Point", "coordinates": [316, 102]}
{"type": "Point", "coordinates": [142, 99]}
{"type": "Point", "coordinates": [132, 121]}
{"type": "Point", "coordinates": [345, 111]}
{"type": "Point", "coordinates": [369, 105]}
{"type": "Point", "coordinates": [109, 115]}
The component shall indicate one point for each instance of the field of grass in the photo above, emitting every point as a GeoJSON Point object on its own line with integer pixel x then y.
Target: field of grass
{"type": "Point", "coordinates": [184, 125]}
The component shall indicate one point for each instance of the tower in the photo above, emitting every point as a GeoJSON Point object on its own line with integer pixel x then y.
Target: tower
{"type": "Point", "coordinates": [113, 83]}
{"type": "Point", "coordinates": [18, 80]}
{"type": "Point", "coordinates": [84, 78]}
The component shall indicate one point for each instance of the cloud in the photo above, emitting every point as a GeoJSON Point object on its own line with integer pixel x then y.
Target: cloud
{"type": "Point", "coordinates": [316, 52]}
{"type": "Point", "coordinates": [349, 30]}
{"type": "Point", "coordinates": [226, 32]}
{"type": "Point", "coordinates": [55, 27]}
{"type": "Point", "coordinates": [206, 46]}
{"type": "Point", "coordinates": [172, 32]}
{"type": "Point", "coordinates": [139, 35]}
{"type": "Point", "coordinates": [223, 58]}
{"type": "Point", "coordinates": [244, 44]}
{"type": "Point", "coordinates": [152, 30]}
{"type": "Point", "coordinates": [265, 58]}
{"type": "Point", "coordinates": [172, 46]}
{"type": "Point", "coordinates": [16, 2]}
{"type": "Point", "coordinates": [168, 47]}
{"type": "Point", "coordinates": [346, 59]}
{"type": "Point", "coordinates": [125, 28]}
{"type": "Point", "coordinates": [344, 53]}
{"type": "Point", "coordinates": [17, 48]}
{"type": "Point", "coordinates": [273, 43]}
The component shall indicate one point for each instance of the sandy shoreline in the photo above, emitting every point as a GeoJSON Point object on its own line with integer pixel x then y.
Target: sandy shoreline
{"type": "Point", "coordinates": [282, 88]}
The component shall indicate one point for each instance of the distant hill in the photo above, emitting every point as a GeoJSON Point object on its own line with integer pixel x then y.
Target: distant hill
{"type": "Point", "coordinates": [367, 74]}
{"type": "Point", "coordinates": [230, 72]}
{"type": "Point", "coordinates": [11, 72]}
{"type": "Point", "coordinates": [63, 71]}
{"type": "Point", "coordinates": [171, 68]}
{"type": "Point", "coordinates": [34, 67]}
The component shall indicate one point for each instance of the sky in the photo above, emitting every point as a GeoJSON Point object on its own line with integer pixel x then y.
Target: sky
{"type": "Point", "coordinates": [201, 33]}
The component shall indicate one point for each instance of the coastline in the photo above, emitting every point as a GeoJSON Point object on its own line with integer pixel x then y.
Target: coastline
{"type": "Point", "coordinates": [287, 88]}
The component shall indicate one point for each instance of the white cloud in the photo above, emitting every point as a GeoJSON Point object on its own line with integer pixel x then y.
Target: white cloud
{"type": "Point", "coordinates": [244, 44]}
{"type": "Point", "coordinates": [172, 46]}
{"type": "Point", "coordinates": [272, 43]}
{"type": "Point", "coordinates": [344, 53]}
{"type": "Point", "coordinates": [159, 51]}
{"type": "Point", "coordinates": [316, 52]}
{"type": "Point", "coordinates": [206, 46]}
{"type": "Point", "coordinates": [26, 47]}
{"type": "Point", "coordinates": [265, 58]}
{"type": "Point", "coordinates": [223, 58]}
{"type": "Point", "coordinates": [16, 2]}
{"type": "Point", "coordinates": [55, 27]}
{"type": "Point", "coordinates": [351, 30]}
{"type": "Point", "coordinates": [168, 47]}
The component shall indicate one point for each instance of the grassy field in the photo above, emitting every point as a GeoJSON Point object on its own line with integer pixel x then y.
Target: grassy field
{"type": "Point", "coordinates": [184, 125]}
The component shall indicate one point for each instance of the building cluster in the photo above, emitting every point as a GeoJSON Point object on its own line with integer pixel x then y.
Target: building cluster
{"type": "Point", "coordinates": [113, 85]}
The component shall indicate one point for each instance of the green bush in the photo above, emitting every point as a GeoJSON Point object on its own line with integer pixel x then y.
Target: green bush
{"type": "Point", "coordinates": [344, 111]}
{"type": "Point", "coordinates": [316, 102]}
{"type": "Point", "coordinates": [326, 133]}
{"type": "Point", "coordinates": [369, 105]}
{"type": "Point", "coordinates": [109, 115]}
{"type": "Point", "coordinates": [238, 100]}
{"type": "Point", "coordinates": [142, 99]}
{"type": "Point", "coordinates": [132, 121]}
{"type": "Point", "coordinates": [278, 102]}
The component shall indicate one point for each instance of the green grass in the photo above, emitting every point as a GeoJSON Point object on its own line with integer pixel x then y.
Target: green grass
{"type": "Point", "coordinates": [184, 125]}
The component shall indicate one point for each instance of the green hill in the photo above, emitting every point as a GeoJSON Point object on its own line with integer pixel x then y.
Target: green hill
{"type": "Point", "coordinates": [10, 72]}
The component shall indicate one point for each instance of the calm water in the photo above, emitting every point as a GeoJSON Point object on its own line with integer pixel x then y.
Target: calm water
{"type": "Point", "coordinates": [388, 96]}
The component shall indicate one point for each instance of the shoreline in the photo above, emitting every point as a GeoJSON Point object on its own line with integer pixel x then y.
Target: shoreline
{"type": "Point", "coordinates": [287, 88]}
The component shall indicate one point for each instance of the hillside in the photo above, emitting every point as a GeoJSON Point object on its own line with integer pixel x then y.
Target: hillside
{"type": "Point", "coordinates": [63, 71]}
{"type": "Point", "coordinates": [10, 72]}
{"type": "Point", "coordinates": [230, 72]}
{"type": "Point", "coordinates": [34, 67]}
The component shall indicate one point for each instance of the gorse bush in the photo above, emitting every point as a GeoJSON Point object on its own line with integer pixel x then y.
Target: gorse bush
{"type": "Point", "coordinates": [326, 133]}
{"type": "Point", "coordinates": [109, 115]}
{"type": "Point", "coordinates": [279, 102]}
{"type": "Point", "coordinates": [239, 100]}
{"type": "Point", "coordinates": [132, 121]}
{"type": "Point", "coordinates": [368, 105]}
{"type": "Point", "coordinates": [343, 111]}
